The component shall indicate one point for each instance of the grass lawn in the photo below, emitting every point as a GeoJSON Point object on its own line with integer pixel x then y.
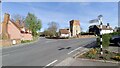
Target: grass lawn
{"type": "Point", "coordinates": [27, 41]}
{"type": "Point", "coordinates": [95, 54]}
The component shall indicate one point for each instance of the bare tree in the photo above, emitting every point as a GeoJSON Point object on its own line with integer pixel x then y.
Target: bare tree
{"type": "Point", "coordinates": [16, 17]}
{"type": "Point", "coordinates": [52, 28]}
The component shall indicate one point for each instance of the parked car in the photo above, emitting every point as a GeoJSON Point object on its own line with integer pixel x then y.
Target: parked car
{"type": "Point", "coordinates": [115, 40]}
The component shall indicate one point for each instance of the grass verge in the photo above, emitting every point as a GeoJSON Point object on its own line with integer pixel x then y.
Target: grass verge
{"type": "Point", "coordinates": [27, 41]}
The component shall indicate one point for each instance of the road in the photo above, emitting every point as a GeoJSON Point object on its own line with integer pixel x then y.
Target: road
{"type": "Point", "coordinates": [44, 52]}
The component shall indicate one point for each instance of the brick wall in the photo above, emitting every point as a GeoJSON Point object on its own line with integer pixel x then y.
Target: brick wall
{"type": "Point", "coordinates": [7, 43]}
{"type": "Point", "coordinates": [26, 36]}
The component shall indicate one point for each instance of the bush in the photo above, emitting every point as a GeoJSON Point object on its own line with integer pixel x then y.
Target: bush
{"type": "Point", "coordinates": [105, 40]}
{"type": "Point", "coordinates": [115, 33]}
{"type": "Point", "coordinates": [25, 41]}
{"type": "Point", "coordinates": [92, 54]}
{"type": "Point", "coordinates": [117, 58]}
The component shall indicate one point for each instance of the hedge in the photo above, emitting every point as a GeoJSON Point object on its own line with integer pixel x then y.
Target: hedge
{"type": "Point", "coordinates": [106, 38]}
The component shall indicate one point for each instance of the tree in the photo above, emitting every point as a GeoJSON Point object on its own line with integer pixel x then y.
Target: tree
{"type": "Point", "coordinates": [52, 29]}
{"type": "Point", "coordinates": [46, 32]}
{"type": "Point", "coordinates": [32, 23]}
{"type": "Point", "coordinates": [18, 17]}
{"type": "Point", "coordinates": [53, 26]}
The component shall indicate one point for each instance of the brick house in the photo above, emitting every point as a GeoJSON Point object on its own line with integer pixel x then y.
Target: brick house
{"type": "Point", "coordinates": [14, 30]}
{"type": "Point", "coordinates": [106, 29]}
{"type": "Point", "coordinates": [75, 27]}
{"type": "Point", "coordinates": [64, 33]}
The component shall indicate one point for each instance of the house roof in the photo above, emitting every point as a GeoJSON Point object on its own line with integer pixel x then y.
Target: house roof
{"type": "Point", "coordinates": [15, 24]}
{"type": "Point", "coordinates": [64, 31]}
{"type": "Point", "coordinates": [18, 25]}
{"type": "Point", "coordinates": [104, 27]}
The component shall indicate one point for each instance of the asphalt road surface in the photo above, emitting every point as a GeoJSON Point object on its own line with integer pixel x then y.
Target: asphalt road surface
{"type": "Point", "coordinates": [44, 52]}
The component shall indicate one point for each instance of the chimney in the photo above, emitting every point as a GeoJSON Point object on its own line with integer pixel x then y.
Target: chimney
{"type": "Point", "coordinates": [5, 26]}
{"type": "Point", "coordinates": [6, 18]}
{"type": "Point", "coordinates": [108, 25]}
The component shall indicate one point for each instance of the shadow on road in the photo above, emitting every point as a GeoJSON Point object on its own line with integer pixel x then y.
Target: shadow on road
{"type": "Point", "coordinates": [113, 45]}
{"type": "Point", "coordinates": [92, 45]}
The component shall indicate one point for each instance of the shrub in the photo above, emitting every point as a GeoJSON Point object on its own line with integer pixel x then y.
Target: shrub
{"type": "Point", "coordinates": [25, 41]}
{"type": "Point", "coordinates": [117, 58]}
{"type": "Point", "coordinates": [105, 40]}
{"type": "Point", "coordinates": [91, 56]}
{"type": "Point", "coordinates": [106, 56]}
{"type": "Point", "coordinates": [115, 33]}
{"type": "Point", "coordinates": [92, 53]}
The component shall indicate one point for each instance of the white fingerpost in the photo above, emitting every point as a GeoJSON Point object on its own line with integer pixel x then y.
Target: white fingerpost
{"type": "Point", "coordinates": [101, 47]}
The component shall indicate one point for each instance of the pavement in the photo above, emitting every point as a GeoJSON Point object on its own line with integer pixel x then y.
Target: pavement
{"type": "Point", "coordinates": [83, 62]}
{"type": "Point", "coordinates": [44, 52]}
{"type": "Point", "coordinates": [114, 48]}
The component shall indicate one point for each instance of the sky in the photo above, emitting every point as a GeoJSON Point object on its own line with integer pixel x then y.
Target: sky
{"type": "Point", "coordinates": [63, 12]}
{"type": "Point", "coordinates": [60, 0]}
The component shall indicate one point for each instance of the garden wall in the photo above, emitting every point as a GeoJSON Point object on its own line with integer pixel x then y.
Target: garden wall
{"type": "Point", "coordinates": [6, 43]}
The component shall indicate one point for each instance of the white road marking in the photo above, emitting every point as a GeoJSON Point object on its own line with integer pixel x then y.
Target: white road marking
{"type": "Point", "coordinates": [74, 50]}
{"type": "Point", "coordinates": [50, 63]}
{"type": "Point", "coordinates": [81, 53]}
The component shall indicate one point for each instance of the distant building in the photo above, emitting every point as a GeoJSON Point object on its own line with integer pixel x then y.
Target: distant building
{"type": "Point", "coordinates": [96, 29]}
{"type": "Point", "coordinates": [64, 32]}
{"type": "Point", "coordinates": [75, 27]}
{"type": "Point", "coordinates": [117, 29]}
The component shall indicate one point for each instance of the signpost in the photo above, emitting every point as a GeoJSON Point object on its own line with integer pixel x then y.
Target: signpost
{"type": "Point", "coordinates": [100, 22]}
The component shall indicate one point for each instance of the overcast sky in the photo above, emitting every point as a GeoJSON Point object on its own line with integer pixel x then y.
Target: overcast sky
{"type": "Point", "coordinates": [63, 12]}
